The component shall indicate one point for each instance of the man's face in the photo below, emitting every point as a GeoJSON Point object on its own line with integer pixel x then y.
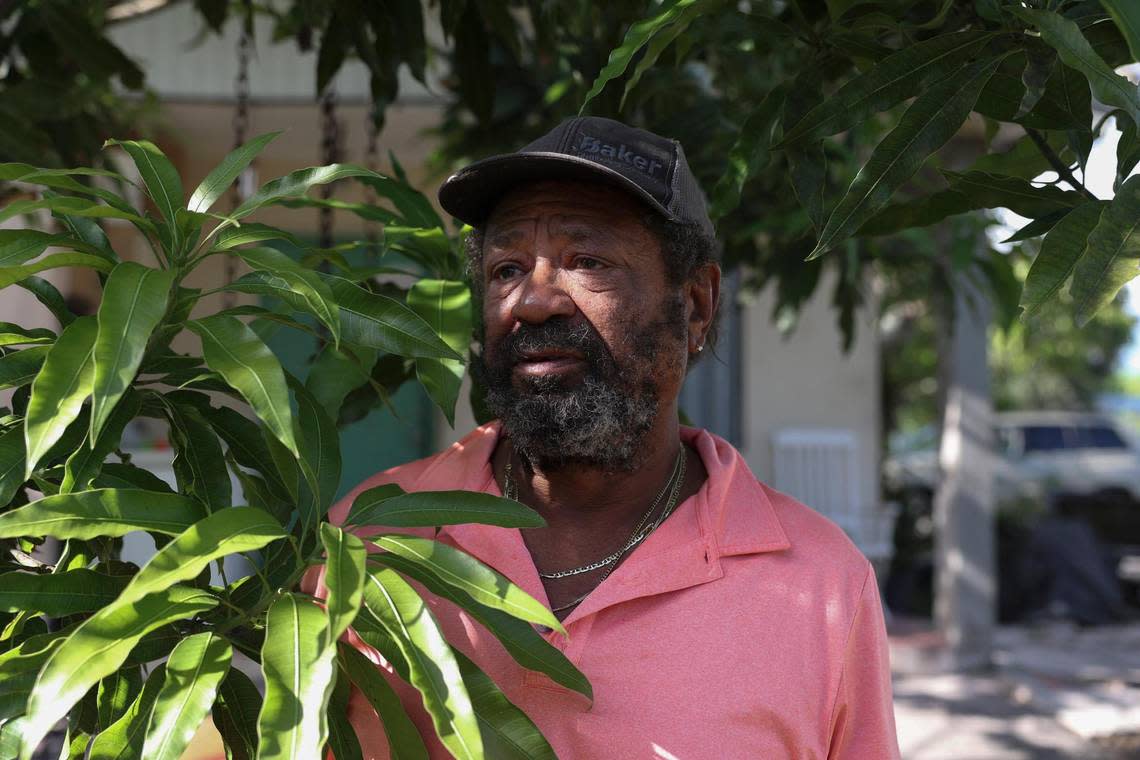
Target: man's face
{"type": "Point", "coordinates": [584, 340]}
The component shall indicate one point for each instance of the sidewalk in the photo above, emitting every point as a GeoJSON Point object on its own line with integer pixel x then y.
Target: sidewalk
{"type": "Point", "coordinates": [1053, 692]}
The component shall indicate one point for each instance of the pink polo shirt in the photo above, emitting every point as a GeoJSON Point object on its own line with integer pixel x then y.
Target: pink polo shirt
{"type": "Point", "coordinates": [745, 626]}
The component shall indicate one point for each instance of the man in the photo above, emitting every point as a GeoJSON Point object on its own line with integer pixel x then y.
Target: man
{"type": "Point", "coordinates": [714, 617]}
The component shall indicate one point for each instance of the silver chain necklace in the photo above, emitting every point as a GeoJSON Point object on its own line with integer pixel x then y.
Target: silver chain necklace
{"type": "Point", "coordinates": [669, 507]}
{"type": "Point", "coordinates": [640, 532]}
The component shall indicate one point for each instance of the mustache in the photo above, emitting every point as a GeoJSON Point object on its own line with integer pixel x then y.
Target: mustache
{"type": "Point", "coordinates": [555, 334]}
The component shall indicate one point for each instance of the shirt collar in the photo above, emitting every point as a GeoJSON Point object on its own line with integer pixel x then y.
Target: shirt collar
{"type": "Point", "coordinates": [730, 515]}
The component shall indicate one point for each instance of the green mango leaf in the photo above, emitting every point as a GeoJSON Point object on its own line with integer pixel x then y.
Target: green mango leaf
{"type": "Point", "coordinates": [366, 501]}
{"type": "Point", "coordinates": [96, 649]}
{"type": "Point", "coordinates": [218, 181]}
{"type": "Point", "coordinates": [446, 306]}
{"type": "Point", "coordinates": [424, 509]}
{"type": "Point", "coordinates": [69, 205]}
{"type": "Point", "coordinates": [91, 233]}
{"type": "Point", "coordinates": [431, 665]}
{"type": "Point", "coordinates": [636, 37]}
{"type": "Point", "coordinates": [235, 715]}
{"type": "Point", "coordinates": [894, 79]}
{"type": "Point", "coordinates": [1058, 256]}
{"type": "Point", "coordinates": [19, 246]}
{"type": "Point", "coordinates": [659, 43]}
{"type": "Point", "coordinates": [86, 462]}
{"type": "Point", "coordinates": [59, 390]}
{"type": "Point", "coordinates": [61, 179]}
{"type": "Point", "coordinates": [229, 531]}
{"type": "Point", "coordinates": [75, 745]}
{"type": "Point", "coordinates": [195, 669]}
{"type": "Point", "coordinates": [404, 738]}
{"type": "Point", "coordinates": [246, 445]}
{"type": "Point", "coordinates": [59, 594]}
{"type": "Point", "coordinates": [1126, 14]}
{"type": "Point", "coordinates": [252, 232]}
{"type": "Point", "coordinates": [159, 176]}
{"type": "Point", "coordinates": [18, 669]}
{"type": "Point", "coordinates": [308, 286]}
{"type": "Point", "coordinates": [967, 192]}
{"type": "Point", "coordinates": [1076, 52]}
{"type": "Point", "coordinates": [20, 367]}
{"type": "Point", "coordinates": [1127, 151]}
{"type": "Point", "coordinates": [933, 118]}
{"type": "Point", "coordinates": [115, 694]}
{"type": "Point", "coordinates": [749, 154]}
{"type": "Point", "coordinates": [16, 274]}
{"type": "Point", "coordinates": [430, 248]}
{"type": "Point", "coordinates": [342, 737]}
{"type": "Point", "coordinates": [464, 572]}
{"type": "Point", "coordinates": [413, 206]}
{"type": "Point", "coordinates": [50, 297]}
{"type": "Point", "coordinates": [123, 739]}
{"type": "Point", "coordinates": [134, 302]}
{"type": "Point", "coordinates": [10, 736]}
{"type": "Point", "coordinates": [522, 642]}
{"type": "Point", "coordinates": [15, 335]}
{"type": "Point", "coordinates": [297, 660]}
{"type": "Point", "coordinates": [1037, 227]}
{"type": "Point", "coordinates": [507, 732]}
{"type": "Point", "coordinates": [808, 170]}
{"type": "Point", "coordinates": [365, 211]}
{"type": "Point", "coordinates": [236, 353]}
{"type": "Point", "coordinates": [1112, 256]}
{"type": "Point", "coordinates": [336, 372]}
{"type": "Point", "coordinates": [267, 284]}
{"type": "Point", "coordinates": [297, 184]}
{"type": "Point", "coordinates": [344, 577]}
{"type": "Point", "coordinates": [11, 462]}
{"type": "Point", "coordinates": [199, 464]}
{"type": "Point", "coordinates": [1023, 160]}
{"type": "Point", "coordinates": [1039, 63]}
{"type": "Point", "coordinates": [319, 444]}
{"type": "Point", "coordinates": [101, 512]}
{"type": "Point", "coordinates": [375, 321]}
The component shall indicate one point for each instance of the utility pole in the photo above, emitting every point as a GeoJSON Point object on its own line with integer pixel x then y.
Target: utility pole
{"type": "Point", "coordinates": [965, 577]}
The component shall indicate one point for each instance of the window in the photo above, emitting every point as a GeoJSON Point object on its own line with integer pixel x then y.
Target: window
{"type": "Point", "coordinates": [1099, 437]}
{"type": "Point", "coordinates": [1043, 438]}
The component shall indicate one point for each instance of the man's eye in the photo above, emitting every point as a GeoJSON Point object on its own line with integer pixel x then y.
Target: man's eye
{"type": "Point", "coordinates": [505, 272]}
{"type": "Point", "coordinates": [587, 262]}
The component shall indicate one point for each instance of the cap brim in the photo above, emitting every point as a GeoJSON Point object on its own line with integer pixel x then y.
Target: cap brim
{"type": "Point", "coordinates": [472, 194]}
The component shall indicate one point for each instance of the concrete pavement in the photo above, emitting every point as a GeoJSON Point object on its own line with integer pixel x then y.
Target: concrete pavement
{"type": "Point", "coordinates": [1052, 692]}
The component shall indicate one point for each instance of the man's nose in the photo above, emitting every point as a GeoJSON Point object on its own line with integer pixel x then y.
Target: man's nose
{"type": "Point", "coordinates": [543, 296]}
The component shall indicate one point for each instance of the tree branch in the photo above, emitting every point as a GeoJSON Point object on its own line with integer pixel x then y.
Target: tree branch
{"type": "Point", "coordinates": [1056, 162]}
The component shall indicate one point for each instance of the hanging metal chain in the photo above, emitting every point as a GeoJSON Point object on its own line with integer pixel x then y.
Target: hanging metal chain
{"type": "Point", "coordinates": [371, 162]}
{"type": "Point", "coordinates": [330, 153]}
{"type": "Point", "coordinates": [243, 184]}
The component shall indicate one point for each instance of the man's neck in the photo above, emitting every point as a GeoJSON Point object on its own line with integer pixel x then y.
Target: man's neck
{"type": "Point", "coordinates": [591, 513]}
{"type": "Point", "coordinates": [571, 494]}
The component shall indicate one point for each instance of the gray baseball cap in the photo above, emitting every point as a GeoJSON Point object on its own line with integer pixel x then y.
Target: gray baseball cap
{"type": "Point", "coordinates": [589, 148]}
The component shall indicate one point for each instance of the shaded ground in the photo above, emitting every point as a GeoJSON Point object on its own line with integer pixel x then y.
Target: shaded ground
{"type": "Point", "coordinates": [1053, 693]}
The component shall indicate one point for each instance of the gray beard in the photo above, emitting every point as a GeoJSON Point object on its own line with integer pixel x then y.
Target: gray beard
{"type": "Point", "coordinates": [594, 424]}
{"type": "Point", "coordinates": [598, 421]}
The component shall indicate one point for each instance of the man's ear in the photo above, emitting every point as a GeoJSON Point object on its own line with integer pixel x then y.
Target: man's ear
{"type": "Point", "coordinates": [703, 295]}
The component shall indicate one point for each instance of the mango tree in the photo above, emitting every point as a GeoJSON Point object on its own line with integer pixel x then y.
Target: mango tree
{"type": "Point", "coordinates": [132, 659]}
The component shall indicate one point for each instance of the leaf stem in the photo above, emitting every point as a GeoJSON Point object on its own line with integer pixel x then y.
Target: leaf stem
{"type": "Point", "coordinates": [1056, 162]}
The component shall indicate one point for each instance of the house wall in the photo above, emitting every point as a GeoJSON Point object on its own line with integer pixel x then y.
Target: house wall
{"type": "Point", "coordinates": [806, 381]}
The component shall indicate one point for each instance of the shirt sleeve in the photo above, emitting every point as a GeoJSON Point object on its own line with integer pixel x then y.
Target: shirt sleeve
{"type": "Point", "coordinates": [863, 719]}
